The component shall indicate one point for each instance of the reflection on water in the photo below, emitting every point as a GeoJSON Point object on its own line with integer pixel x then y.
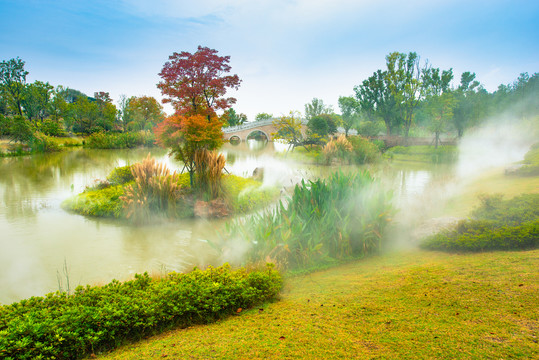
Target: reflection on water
{"type": "Point", "coordinates": [37, 235]}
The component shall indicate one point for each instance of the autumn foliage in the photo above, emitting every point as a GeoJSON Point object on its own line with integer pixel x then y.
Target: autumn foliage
{"type": "Point", "coordinates": [195, 84]}
{"type": "Point", "coordinates": [184, 135]}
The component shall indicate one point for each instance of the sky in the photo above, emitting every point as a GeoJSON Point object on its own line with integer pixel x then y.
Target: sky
{"type": "Point", "coordinates": [286, 52]}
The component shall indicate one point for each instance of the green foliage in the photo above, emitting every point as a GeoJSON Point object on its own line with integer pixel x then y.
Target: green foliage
{"type": "Point", "coordinates": [520, 209]}
{"type": "Point", "coordinates": [52, 128]}
{"type": "Point", "coordinates": [371, 128]}
{"type": "Point", "coordinates": [263, 116]}
{"type": "Point", "coordinates": [531, 163]}
{"type": "Point", "coordinates": [41, 143]}
{"type": "Point", "coordinates": [104, 202]}
{"type": "Point", "coordinates": [121, 175]}
{"type": "Point", "coordinates": [99, 318]}
{"type": "Point", "coordinates": [424, 153]}
{"type": "Point", "coordinates": [482, 235]}
{"type": "Point", "coordinates": [498, 225]}
{"type": "Point", "coordinates": [324, 221]}
{"type": "Point", "coordinates": [103, 140]}
{"type": "Point", "coordinates": [364, 150]}
{"type": "Point", "coordinates": [245, 195]}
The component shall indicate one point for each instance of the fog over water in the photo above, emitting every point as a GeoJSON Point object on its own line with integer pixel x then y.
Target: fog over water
{"type": "Point", "coordinates": [37, 236]}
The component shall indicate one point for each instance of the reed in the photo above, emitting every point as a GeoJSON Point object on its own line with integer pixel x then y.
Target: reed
{"type": "Point", "coordinates": [209, 168]}
{"type": "Point", "coordinates": [154, 191]}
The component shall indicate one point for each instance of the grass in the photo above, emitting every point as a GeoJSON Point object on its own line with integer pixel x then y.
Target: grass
{"type": "Point", "coordinates": [403, 305]}
{"type": "Point", "coordinates": [492, 182]}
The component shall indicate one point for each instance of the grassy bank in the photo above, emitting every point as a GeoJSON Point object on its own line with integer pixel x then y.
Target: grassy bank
{"type": "Point", "coordinates": [412, 305]}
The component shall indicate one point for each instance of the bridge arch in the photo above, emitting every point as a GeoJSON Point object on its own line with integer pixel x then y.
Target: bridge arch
{"type": "Point", "coordinates": [268, 138]}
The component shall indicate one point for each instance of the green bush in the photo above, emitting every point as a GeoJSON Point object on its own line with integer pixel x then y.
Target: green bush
{"type": "Point", "coordinates": [530, 165]}
{"type": "Point", "coordinates": [424, 153]}
{"type": "Point", "coordinates": [339, 218]}
{"type": "Point", "coordinates": [104, 202]}
{"type": "Point", "coordinates": [245, 195]}
{"type": "Point", "coordinates": [520, 209]}
{"type": "Point", "coordinates": [497, 225]}
{"type": "Point", "coordinates": [482, 235]}
{"type": "Point", "coordinates": [52, 128]}
{"type": "Point", "coordinates": [107, 140]}
{"type": "Point", "coordinates": [120, 175]}
{"type": "Point", "coordinates": [364, 151]}
{"type": "Point", "coordinates": [99, 318]}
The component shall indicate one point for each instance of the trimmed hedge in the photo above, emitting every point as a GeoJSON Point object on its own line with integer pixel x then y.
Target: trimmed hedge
{"type": "Point", "coordinates": [99, 318]}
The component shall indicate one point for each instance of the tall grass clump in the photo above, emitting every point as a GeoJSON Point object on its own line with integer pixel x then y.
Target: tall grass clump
{"type": "Point", "coordinates": [497, 224]}
{"type": "Point", "coordinates": [324, 221]}
{"type": "Point", "coordinates": [154, 191]}
{"type": "Point", "coordinates": [209, 169]}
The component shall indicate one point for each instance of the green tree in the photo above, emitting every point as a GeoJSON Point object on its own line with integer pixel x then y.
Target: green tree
{"type": "Point", "coordinates": [440, 108]}
{"type": "Point", "coordinates": [143, 113]}
{"type": "Point", "coordinates": [470, 105]}
{"type": "Point", "coordinates": [289, 129]}
{"type": "Point", "coordinates": [13, 82]}
{"type": "Point", "coordinates": [36, 100]}
{"type": "Point", "coordinates": [376, 100]}
{"type": "Point", "coordinates": [263, 116]}
{"type": "Point", "coordinates": [58, 106]}
{"type": "Point", "coordinates": [403, 79]}
{"type": "Point", "coordinates": [106, 110]}
{"type": "Point", "coordinates": [350, 112]}
{"type": "Point", "coordinates": [84, 114]}
{"type": "Point", "coordinates": [316, 107]}
{"type": "Point", "coordinates": [233, 119]}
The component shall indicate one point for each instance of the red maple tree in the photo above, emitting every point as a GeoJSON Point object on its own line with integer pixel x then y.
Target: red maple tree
{"type": "Point", "coordinates": [195, 84]}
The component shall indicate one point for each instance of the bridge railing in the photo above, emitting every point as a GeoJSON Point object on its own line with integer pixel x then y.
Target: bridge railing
{"type": "Point", "coordinates": [253, 124]}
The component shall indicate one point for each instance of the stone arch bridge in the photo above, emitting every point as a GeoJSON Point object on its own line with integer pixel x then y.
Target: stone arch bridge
{"type": "Point", "coordinates": [242, 132]}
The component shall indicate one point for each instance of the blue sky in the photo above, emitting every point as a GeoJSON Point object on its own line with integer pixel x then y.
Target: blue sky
{"type": "Point", "coordinates": [286, 52]}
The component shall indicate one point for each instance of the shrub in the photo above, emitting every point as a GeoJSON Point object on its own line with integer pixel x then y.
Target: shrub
{"type": "Point", "coordinates": [424, 153]}
{"type": "Point", "coordinates": [121, 175]}
{"type": "Point", "coordinates": [364, 150]}
{"type": "Point", "coordinates": [530, 165]}
{"type": "Point", "coordinates": [41, 143]}
{"type": "Point", "coordinates": [103, 202]}
{"type": "Point", "coordinates": [498, 225]}
{"type": "Point", "coordinates": [99, 318]}
{"type": "Point", "coordinates": [481, 235]}
{"type": "Point", "coordinates": [52, 128]}
{"type": "Point", "coordinates": [338, 149]}
{"type": "Point", "coordinates": [107, 140]}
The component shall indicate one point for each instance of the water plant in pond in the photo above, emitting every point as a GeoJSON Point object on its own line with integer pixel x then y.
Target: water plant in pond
{"type": "Point", "coordinates": [324, 221]}
{"type": "Point", "coordinates": [209, 168]}
{"type": "Point", "coordinates": [154, 191]}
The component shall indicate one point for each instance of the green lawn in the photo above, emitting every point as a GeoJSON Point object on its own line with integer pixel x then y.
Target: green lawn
{"type": "Point", "coordinates": [401, 305]}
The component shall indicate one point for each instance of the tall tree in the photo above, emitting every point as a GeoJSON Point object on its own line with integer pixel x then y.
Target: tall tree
{"type": "Point", "coordinates": [349, 110]}
{"type": "Point", "coordinates": [195, 84]}
{"type": "Point", "coordinates": [144, 112]}
{"type": "Point", "coordinates": [106, 110]}
{"type": "Point", "coordinates": [316, 107]}
{"type": "Point", "coordinates": [289, 129]}
{"type": "Point", "coordinates": [233, 119]}
{"type": "Point", "coordinates": [376, 100]}
{"type": "Point", "coordinates": [36, 99]}
{"type": "Point", "coordinates": [404, 82]}
{"type": "Point", "coordinates": [185, 135]}
{"type": "Point", "coordinates": [12, 82]}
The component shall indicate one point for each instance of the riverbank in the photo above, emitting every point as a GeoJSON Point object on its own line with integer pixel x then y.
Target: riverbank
{"type": "Point", "coordinates": [401, 305]}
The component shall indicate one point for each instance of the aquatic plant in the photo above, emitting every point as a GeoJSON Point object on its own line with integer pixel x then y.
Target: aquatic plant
{"type": "Point", "coordinates": [209, 169]}
{"type": "Point", "coordinates": [154, 191]}
{"type": "Point", "coordinates": [324, 221]}
{"type": "Point", "coordinates": [339, 148]}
